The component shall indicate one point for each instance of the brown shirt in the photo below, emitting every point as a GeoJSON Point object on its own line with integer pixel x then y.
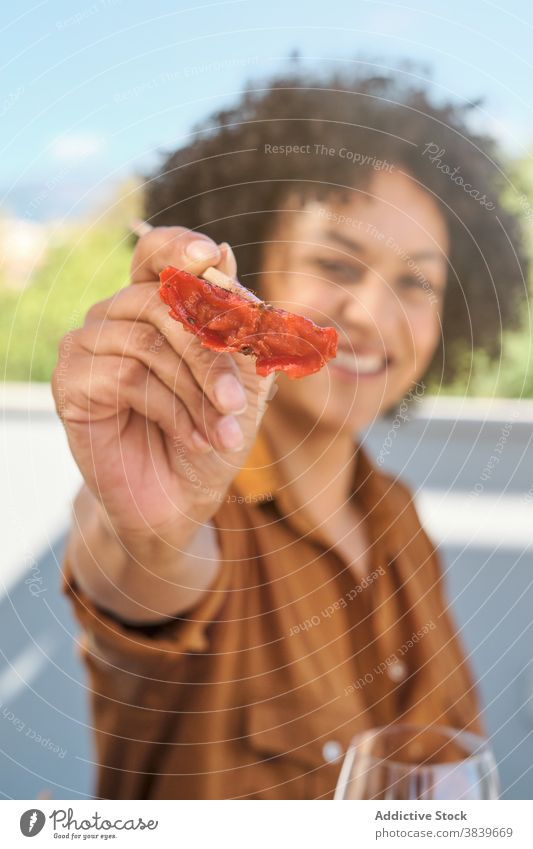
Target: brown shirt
{"type": "Point", "coordinates": [257, 691]}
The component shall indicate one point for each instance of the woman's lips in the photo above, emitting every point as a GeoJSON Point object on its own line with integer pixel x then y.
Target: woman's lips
{"type": "Point", "coordinates": [359, 364]}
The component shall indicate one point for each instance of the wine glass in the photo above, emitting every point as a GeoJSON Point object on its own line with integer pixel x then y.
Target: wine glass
{"type": "Point", "coordinates": [418, 762]}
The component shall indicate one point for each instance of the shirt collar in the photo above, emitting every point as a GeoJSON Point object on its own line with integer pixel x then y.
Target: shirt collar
{"type": "Point", "coordinates": [260, 481]}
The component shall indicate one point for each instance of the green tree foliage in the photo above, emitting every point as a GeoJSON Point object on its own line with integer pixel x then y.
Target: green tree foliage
{"type": "Point", "coordinates": [91, 264]}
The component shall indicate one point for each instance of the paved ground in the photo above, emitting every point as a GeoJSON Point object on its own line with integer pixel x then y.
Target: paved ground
{"type": "Point", "coordinates": [480, 510]}
{"type": "Point", "coordinates": [44, 735]}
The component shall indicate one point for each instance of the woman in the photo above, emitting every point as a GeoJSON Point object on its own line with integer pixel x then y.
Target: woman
{"type": "Point", "coordinates": [252, 591]}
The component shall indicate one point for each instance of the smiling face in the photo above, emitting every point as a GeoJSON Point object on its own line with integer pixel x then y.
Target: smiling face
{"type": "Point", "coordinates": [375, 268]}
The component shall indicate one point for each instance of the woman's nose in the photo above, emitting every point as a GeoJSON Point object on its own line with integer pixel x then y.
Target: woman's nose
{"type": "Point", "coordinates": [372, 303]}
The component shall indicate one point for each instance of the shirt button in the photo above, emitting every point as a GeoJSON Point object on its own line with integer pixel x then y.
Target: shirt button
{"type": "Point", "coordinates": [331, 751]}
{"type": "Point", "coordinates": [397, 671]}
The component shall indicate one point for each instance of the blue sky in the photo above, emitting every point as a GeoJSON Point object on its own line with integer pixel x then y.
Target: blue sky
{"type": "Point", "coordinates": [91, 91]}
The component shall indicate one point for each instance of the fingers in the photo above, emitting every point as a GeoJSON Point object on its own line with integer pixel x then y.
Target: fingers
{"type": "Point", "coordinates": [98, 387]}
{"type": "Point", "coordinates": [176, 246]}
{"type": "Point", "coordinates": [184, 249]}
{"type": "Point", "coordinates": [129, 342]}
{"type": "Point", "coordinates": [143, 342]}
{"type": "Point", "coordinates": [228, 263]}
{"type": "Point", "coordinates": [217, 374]}
{"type": "Point", "coordinates": [109, 385]}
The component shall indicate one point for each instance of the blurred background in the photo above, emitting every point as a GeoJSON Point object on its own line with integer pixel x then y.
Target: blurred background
{"type": "Point", "coordinates": [92, 94]}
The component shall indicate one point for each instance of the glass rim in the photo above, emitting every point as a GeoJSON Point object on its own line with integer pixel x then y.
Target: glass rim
{"type": "Point", "coordinates": [482, 745]}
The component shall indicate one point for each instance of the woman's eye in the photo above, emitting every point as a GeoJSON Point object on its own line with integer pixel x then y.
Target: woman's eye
{"type": "Point", "coordinates": [339, 270]}
{"type": "Point", "coordinates": [411, 282]}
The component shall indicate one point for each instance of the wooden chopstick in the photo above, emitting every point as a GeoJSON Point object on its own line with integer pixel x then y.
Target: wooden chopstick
{"type": "Point", "coordinates": [218, 278]}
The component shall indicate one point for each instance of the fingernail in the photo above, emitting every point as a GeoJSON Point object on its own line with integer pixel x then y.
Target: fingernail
{"type": "Point", "coordinates": [229, 394]}
{"type": "Point", "coordinates": [199, 442]}
{"type": "Point", "coordinates": [230, 433]}
{"type": "Point", "coordinates": [201, 249]}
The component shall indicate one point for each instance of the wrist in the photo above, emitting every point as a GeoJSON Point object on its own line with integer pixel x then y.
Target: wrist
{"type": "Point", "coordinates": [148, 546]}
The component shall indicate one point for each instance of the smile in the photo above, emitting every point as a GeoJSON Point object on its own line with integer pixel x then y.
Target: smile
{"type": "Point", "coordinates": [359, 365]}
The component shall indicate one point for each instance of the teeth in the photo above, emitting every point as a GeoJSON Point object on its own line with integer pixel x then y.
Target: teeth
{"type": "Point", "coordinates": [360, 364]}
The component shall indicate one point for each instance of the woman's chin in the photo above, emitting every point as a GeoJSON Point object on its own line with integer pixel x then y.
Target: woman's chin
{"type": "Point", "coordinates": [341, 414]}
{"type": "Point", "coordinates": [322, 401]}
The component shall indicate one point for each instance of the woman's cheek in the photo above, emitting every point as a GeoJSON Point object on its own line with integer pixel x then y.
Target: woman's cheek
{"type": "Point", "coordinates": [424, 336]}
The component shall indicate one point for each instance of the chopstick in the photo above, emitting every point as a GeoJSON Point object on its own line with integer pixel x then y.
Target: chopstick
{"type": "Point", "coordinates": [218, 278]}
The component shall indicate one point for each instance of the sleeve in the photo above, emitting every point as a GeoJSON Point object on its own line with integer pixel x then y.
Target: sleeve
{"type": "Point", "coordinates": [108, 641]}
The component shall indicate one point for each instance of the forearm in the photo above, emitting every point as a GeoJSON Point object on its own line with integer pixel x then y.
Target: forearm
{"type": "Point", "coordinates": [142, 580]}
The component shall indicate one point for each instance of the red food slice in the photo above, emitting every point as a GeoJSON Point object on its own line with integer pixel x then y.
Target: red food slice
{"type": "Point", "coordinates": [225, 321]}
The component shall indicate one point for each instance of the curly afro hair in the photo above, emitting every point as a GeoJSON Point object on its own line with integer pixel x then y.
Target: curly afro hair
{"type": "Point", "coordinates": [225, 182]}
